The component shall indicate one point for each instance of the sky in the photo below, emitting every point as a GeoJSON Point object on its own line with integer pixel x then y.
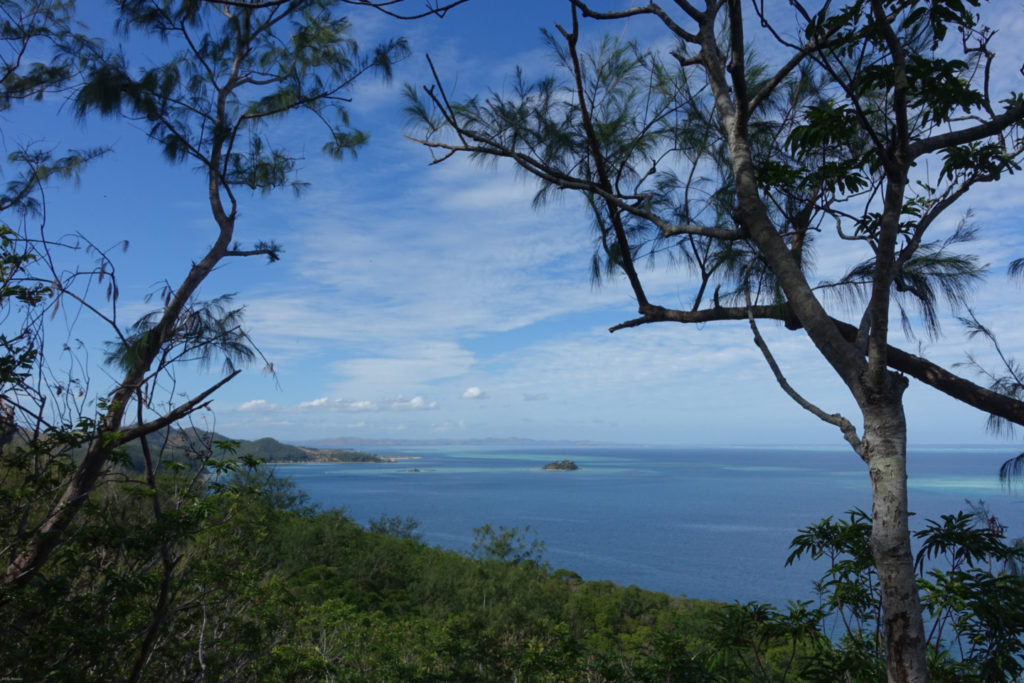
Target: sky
{"type": "Point", "coordinates": [419, 301]}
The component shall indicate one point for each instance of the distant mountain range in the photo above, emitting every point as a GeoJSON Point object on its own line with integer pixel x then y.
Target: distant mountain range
{"type": "Point", "coordinates": [360, 442]}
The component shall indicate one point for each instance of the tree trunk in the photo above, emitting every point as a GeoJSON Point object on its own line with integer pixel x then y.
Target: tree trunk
{"type": "Point", "coordinates": [885, 450]}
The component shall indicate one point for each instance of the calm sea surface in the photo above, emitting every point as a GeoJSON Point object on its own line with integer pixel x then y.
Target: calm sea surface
{"type": "Point", "coordinates": [707, 523]}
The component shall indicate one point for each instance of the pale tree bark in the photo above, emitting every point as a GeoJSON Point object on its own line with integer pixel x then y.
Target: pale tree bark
{"type": "Point", "coordinates": [885, 451]}
{"type": "Point", "coordinates": [884, 439]}
{"type": "Point", "coordinates": [877, 391]}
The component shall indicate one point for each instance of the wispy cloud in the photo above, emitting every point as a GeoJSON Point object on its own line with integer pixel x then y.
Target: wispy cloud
{"type": "Point", "coordinates": [414, 403]}
{"type": "Point", "coordinates": [338, 405]}
{"type": "Point", "coordinates": [424, 264]}
{"type": "Point", "coordinates": [257, 406]}
{"type": "Point", "coordinates": [329, 405]}
{"type": "Point", "coordinates": [473, 393]}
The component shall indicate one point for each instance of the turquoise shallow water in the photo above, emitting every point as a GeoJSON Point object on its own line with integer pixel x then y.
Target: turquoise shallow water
{"type": "Point", "coordinates": [707, 523]}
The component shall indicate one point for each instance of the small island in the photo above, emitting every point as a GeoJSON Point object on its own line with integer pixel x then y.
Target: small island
{"type": "Point", "coordinates": [561, 465]}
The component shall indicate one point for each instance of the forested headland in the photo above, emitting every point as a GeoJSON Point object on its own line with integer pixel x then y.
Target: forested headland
{"type": "Point", "coordinates": [177, 445]}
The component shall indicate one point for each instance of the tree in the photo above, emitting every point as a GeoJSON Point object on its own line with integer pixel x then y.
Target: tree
{"type": "Point", "coordinates": [236, 67]}
{"type": "Point", "coordinates": [971, 603]}
{"type": "Point", "coordinates": [736, 166]}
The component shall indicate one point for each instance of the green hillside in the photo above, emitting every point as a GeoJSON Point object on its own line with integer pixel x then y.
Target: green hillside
{"type": "Point", "coordinates": [273, 450]}
{"type": "Point", "coordinates": [183, 445]}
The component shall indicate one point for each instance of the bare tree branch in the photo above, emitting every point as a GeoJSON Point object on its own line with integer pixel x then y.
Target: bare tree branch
{"type": "Point", "coordinates": [1013, 116]}
{"type": "Point", "coordinates": [650, 8]}
{"type": "Point", "coordinates": [836, 419]}
{"type": "Point", "coordinates": [915, 366]}
{"type": "Point", "coordinates": [170, 417]}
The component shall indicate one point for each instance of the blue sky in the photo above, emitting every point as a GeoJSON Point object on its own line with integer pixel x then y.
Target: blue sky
{"type": "Point", "coordinates": [422, 302]}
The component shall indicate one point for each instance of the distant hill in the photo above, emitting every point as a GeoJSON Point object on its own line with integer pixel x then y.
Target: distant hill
{"type": "Point", "coordinates": [182, 444]}
{"type": "Point", "coordinates": [273, 450]}
{"type": "Point", "coordinates": [361, 442]}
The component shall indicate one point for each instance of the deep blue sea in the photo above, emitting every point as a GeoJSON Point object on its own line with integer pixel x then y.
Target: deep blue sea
{"type": "Point", "coordinates": [710, 523]}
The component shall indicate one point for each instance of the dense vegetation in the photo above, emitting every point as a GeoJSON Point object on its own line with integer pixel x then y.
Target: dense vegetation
{"type": "Point", "coordinates": [244, 579]}
{"type": "Point", "coordinates": [264, 587]}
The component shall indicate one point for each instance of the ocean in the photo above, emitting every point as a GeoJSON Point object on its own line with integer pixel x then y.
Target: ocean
{"type": "Point", "coordinates": [710, 523]}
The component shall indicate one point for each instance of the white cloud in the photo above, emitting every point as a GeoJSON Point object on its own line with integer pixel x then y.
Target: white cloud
{"type": "Point", "coordinates": [329, 405]}
{"type": "Point", "coordinates": [474, 393]}
{"type": "Point", "coordinates": [256, 406]}
{"type": "Point", "coordinates": [338, 405]}
{"type": "Point", "coordinates": [414, 403]}
{"type": "Point", "coordinates": [315, 403]}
